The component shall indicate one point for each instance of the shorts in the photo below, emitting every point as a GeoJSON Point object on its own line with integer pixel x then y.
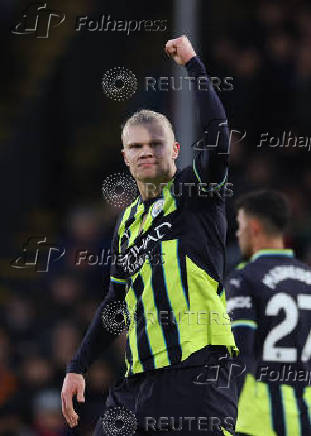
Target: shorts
{"type": "Point", "coordinates": [189, 400]}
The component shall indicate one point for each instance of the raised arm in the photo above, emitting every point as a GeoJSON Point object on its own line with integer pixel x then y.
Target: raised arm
{"type": "Point", "coordinates": [211, 154]}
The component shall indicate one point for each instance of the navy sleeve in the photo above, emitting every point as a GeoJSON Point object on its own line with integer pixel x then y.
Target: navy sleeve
{"type": "Point", "coordinates": [211, 151]}
{"type": "Point", "coordinates": [102, 330]}
{"type": "Point", "coordinates": [241, 308]}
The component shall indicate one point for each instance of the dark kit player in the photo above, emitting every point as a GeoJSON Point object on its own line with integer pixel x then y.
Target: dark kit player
{"type": "Point", "coordinates": [269, 300]}
{"type": "Point", "coordinates": [183, 293]}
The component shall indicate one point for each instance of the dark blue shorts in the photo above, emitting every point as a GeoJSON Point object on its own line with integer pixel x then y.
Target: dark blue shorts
{"type": "Point", "coordinates": [199, 400]}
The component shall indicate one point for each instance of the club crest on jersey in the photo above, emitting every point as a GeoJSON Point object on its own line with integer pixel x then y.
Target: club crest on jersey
{"type": "Point", "coordinates": [157, 207]}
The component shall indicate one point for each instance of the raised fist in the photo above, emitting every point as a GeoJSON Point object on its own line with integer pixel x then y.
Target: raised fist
{"type": "Point", "coordinates": [180, 49]}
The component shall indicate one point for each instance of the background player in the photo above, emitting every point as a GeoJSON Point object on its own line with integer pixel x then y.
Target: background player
{"type": "Point", "coordinates": [186, 232]}
{"type": "Point", "coordinates": [269, 301]}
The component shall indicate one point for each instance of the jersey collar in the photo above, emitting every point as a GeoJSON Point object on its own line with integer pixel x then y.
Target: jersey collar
{"type": "Point", "coordinates": [284, 252]}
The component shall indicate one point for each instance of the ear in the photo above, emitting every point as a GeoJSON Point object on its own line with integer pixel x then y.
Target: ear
{"type": "Point", "coordinates": [176, 149]}
{"type": "Point", "coordinates": [256, 226]}
{"type": "Point", "coordinates": [124, 157]}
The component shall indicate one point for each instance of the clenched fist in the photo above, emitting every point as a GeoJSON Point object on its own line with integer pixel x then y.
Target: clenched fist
{"type": "Point", "coordinates": [180, 49]}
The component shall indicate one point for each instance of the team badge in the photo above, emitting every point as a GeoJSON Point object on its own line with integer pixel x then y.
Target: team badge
{"type": "Point", "coordinates": [157, 208]}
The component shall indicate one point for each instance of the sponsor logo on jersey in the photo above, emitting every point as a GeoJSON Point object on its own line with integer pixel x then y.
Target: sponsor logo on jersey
{"type": "Point", "coordinates": [136, 255]}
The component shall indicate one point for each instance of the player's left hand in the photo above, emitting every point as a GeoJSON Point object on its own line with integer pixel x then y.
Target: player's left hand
{"type": "Point", "coordinates": [180, 49]}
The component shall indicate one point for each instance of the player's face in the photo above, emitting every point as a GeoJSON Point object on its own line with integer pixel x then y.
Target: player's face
{"type": "Point", "coordinates": [244, 233]}
{"type": "Point", "coordinates": [149, 152]}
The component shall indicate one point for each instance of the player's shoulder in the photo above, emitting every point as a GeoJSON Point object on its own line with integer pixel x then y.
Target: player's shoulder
{"type": "Point", "coordinates": [263, 270]}
{"type": "Point", "coordinates": [283, 261]}
{"type": "Point", "coordinates": [239, 292]}
{"type": "Point", "coordinates": [244, 275]}
{"type": "Point", "coordinates": [236, 276]}
{"type": "Point", "coordinates": [239, 269]}
{"type": "Point", "coordinates": [299, 264]}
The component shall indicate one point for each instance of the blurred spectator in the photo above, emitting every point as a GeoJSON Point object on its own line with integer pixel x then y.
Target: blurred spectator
{"type": "Point", "coordinates": [48, 420]}
{"type": "Point", "coordinates": [65, 340]}
{"type": "Point", "coordinates": [8, 382]}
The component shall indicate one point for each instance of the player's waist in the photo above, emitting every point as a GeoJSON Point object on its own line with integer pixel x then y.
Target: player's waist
{"type": "Point", "coordinates": [206, 356]}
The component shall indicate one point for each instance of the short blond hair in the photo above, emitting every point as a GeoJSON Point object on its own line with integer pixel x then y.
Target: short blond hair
{"type": "Point", "coordinates": [146, 116]}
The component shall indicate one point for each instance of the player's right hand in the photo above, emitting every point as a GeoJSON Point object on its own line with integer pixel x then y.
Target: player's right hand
{"type": "Point", "coordinates": [74, 384]}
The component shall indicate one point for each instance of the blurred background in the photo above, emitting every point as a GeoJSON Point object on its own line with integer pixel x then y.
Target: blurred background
{"type": "Point", "coordinates": [60, 137]}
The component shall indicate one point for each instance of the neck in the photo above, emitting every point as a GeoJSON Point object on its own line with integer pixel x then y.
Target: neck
{"type": "Point", "coordinates": [268, 243]}
{"type": "Point", "coordinates": [153, 188]}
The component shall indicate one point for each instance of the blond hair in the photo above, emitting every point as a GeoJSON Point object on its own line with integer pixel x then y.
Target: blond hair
{"type": "Point", "coordinates": [146, 116]}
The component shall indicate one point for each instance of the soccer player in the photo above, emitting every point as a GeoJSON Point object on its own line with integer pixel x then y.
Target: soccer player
{"type": "Point", "coordinates": [170, 244]}
{"type": "Point", "coordinates": [269, 300]}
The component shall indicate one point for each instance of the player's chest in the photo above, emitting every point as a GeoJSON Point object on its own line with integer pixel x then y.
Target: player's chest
{"type": "Point", "coordinates": [146, 226]}
{"type": "Point", "coordinates": [141, 235]}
